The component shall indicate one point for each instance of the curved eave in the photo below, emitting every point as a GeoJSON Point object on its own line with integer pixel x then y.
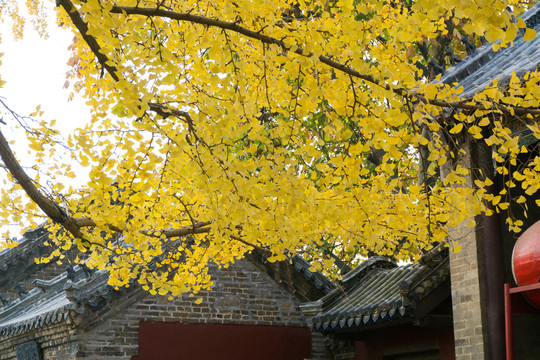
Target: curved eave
{"type": "Point", "coordinates": [20, 326]}
{"type": "Point", "coordinates": [361, 321]}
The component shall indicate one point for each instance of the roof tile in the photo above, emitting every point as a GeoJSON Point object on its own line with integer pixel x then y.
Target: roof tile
{"type": "Point", "coordinates": [478, 70]}
{"type": "Point", "coordinates": [376, 294]}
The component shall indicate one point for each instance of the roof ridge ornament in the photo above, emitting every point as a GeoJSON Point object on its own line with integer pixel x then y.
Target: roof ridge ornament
{"type": "Point", "coordinates": [435, 67]}
{"type": "Point", "coordinates": [22, 292]}
{"type": "Point", "coordinates": [4, 300]}
{"type": "Point", "coordinates": [469, 48]}
{"type": "Point", "coordinates": [452, 58]}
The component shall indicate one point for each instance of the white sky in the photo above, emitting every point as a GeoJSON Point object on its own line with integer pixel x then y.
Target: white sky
{"type": "Point", "coordinates": [35, 72]}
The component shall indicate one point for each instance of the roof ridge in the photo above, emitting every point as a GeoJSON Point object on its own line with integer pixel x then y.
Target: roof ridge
{"type": "Point", "coordinates": [31, 245]}
{"type": "Point", "coordinates": [320, 281]}
{"type": "Point", "coordinates": [380, 293]}
{"type": "Point", "coordinates": [355, 276]}
{"type": "Point", "coordinates": [55, 300]}
{"type": "Point", "coordinates": [532, 16]}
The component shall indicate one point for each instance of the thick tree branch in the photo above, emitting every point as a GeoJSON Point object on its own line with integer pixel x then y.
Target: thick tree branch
{"type": "Point", "coordinates": [50, 208]}
{"type": "Point", "coordinates": [90, 40]}
{"type": "Point", "coordinates": [265, 39]}
{"type": "Point", "coordinates": [197, 228]}
{"type": "Point", "coordinates": [73, 225]}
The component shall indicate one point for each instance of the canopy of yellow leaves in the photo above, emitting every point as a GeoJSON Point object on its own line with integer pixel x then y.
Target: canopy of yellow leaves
{"type": "Point", "coordinates": [253, 124]}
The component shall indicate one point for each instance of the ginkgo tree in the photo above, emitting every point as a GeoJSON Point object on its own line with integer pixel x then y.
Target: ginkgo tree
{"type": "Point", "coordinates": [290, 127]}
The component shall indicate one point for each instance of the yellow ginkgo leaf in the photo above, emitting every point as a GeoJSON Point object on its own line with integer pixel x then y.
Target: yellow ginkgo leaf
{"type": "Point", "coordinates": [529, 34]}
{"type": "Point", "coordinates": [456, 129]}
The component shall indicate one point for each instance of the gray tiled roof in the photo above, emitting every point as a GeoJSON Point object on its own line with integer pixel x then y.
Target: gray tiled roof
{"type": "Point", "coordinates": [55, 301]}
{"type": "Point", "coordinates": [30, 313]}
{"type": "Point", "coordinates": [31, 245]}
{"type": "Point", "coordinates": [62, 299]}
{"type": "Point", "coordinates": [49, 302]}
{"type": "Point", "coordinates": [478, 70]}
{"type": "Point", "coordinates": [379, 290]}
{"type": "Point", "coordinates": [315, 277]}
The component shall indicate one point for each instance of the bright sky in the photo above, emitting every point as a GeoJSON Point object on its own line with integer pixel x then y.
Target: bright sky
{"type": "Point", "coordinates": [35, 72]}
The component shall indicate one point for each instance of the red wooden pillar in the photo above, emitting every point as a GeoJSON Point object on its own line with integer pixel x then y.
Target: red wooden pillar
{"type": "Point", "coordinates": [508, 326]}
{"type": "Point", "coordinates": [366, 351]}
{"type": "Point", "coordinates": [509, 330]}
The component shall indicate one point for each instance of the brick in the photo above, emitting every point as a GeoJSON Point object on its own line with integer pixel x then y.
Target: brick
{"type": "Point", "coordinates": [240, 294]}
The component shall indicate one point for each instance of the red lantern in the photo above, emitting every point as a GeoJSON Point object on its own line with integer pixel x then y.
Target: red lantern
{"type": "Point", "coordinates": [526, 262]}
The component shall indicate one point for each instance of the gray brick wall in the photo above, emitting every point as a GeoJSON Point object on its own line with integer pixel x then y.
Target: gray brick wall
{"type": "Point", "coordinates": [241, 294]}
{"type": "Point", "coordinates": [55, 341]}
{"type": "Point", "coordinates": [465, 280]}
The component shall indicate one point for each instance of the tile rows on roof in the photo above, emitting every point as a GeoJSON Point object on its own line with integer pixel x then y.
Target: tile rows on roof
{"type": "Point", "coordinates": [380, 293]}
{"type": "Point", "coordinates": [52, 317]}
{"type": "Point", "coordinates": [53, 301]}
{"type": "Point", "coordinates": [358, 273]}
{"type": "Point", "coordinates": [478, 70]}
{"type": "Point", "coordinates": [318, 279]}
{"type": "Point", "coordinates": [31, 245]}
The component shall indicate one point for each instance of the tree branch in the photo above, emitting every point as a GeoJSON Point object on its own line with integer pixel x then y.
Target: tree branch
{"type": "Point", "coordinates": [50, 208]}
{"type": "Point", "coordinates": [90, 40]}
{"type": "Point", "coordinates": [265, 39]}
{"type": "Point", "coordinates": [74, 225]}
{"type": "Point", "coordinates": [232, 26]}
{"type": "Point", "coordinates": [197, 228]}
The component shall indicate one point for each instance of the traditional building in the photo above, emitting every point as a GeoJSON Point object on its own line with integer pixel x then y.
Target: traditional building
{"type": "Point", "coordinates": [483, 265]}
{"type": "Point", "coordinates": [252, 312]}
{"type": "Point", "coordinates": [372, 313]}
{"type": "Point", "coordinates": [384, 311]}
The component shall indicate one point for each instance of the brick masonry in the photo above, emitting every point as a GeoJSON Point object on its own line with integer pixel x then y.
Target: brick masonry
{"type": "Point", "coordinates": [56, 342]}
{"type": "Point", "coordinates": [241, 294]}
{"type": "Point", "coordinates": [468, 330]}
{"type": "Point", "coordinates": [464, 274]}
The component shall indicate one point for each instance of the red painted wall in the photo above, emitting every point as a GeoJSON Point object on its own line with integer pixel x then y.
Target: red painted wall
{"type": "Point", "coordinates": [174, 341]}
